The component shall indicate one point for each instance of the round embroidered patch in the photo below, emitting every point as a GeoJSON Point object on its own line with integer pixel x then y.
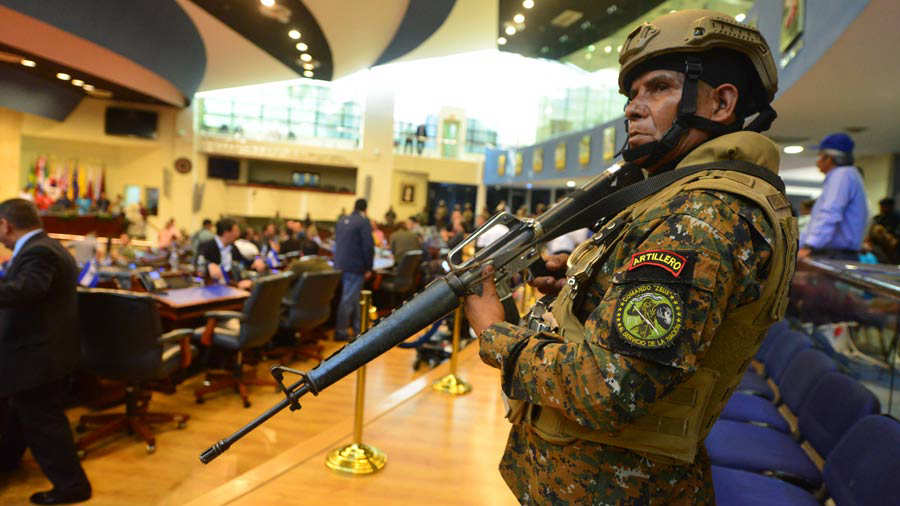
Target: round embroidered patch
{"type": "Point", "coordinates": [649, 316]}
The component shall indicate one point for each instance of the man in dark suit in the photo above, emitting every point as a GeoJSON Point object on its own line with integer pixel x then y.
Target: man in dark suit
{"type": "Point", "coordinates": [39, 346]}
{"type": "Point", "coordinates": [221, 259]}
{"type": "Point", "coordinates": [354, 251]}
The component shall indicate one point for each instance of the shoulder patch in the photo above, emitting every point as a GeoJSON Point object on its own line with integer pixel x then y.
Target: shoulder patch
{"type": "Point", "coordinates": [665, 259]}
{"type": "Point", "coordinates": [649, 316]}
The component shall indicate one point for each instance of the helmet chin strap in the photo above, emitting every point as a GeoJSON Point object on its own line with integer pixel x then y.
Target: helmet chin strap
{"type": "Point", "coordinates": [687, 119]}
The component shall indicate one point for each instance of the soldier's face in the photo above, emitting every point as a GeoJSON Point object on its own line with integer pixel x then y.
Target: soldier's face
{"type": "Point", "coordinates": [652, 109]}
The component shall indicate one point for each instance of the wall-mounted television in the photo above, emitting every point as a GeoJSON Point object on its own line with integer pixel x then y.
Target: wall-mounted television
{"type": "Point", "coordinates": [131, 122]}
{"type": "Point", "coordinates": [223, 167]}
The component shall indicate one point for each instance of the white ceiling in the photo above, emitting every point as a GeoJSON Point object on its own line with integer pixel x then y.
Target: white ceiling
{"type": "Point", "coordinates": [853, 85]}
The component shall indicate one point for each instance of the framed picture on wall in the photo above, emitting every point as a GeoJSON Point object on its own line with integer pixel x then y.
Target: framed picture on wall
{"type": "Point", "coordinates": [151, 197]}
{"type": "Point", "coordinates": [537, 160]}
{"type": "Point", "coordinates": [792, 19]}
{"type": "Point", "coordinates": [518, 168]}
{"type": "Point", "coordinates": [560, 156]}
{"type": "Point", "coordinates": [609, 142]}
{"type": "Point", "coordinates": [407, 193]}
{"type": "Point", "coordinates": [501, 164]}
{"type": "Point", "coordinates": [584, 151]}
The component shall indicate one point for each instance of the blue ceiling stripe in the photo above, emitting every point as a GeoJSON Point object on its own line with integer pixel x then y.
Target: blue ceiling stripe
{"type": "Point", "coordinates": [25, 92]}
{"type": "Point", "coordinates": [156, 34]}
{"type": "Point", "coordinates": [422, 18]}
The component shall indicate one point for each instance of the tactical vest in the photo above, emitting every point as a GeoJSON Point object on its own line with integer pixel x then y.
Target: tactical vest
{"type": "Point", "coordinates": [677, 423]}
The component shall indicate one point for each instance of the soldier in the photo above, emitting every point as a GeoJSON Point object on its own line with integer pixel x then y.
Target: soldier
{"type": "Point", "coordinates": [612, 392]}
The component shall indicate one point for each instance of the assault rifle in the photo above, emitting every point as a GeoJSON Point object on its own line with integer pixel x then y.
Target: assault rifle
{"type": "Point", "coordinates": [517, 249]}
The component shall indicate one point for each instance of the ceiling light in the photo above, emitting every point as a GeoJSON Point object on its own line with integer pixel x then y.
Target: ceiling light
{"type": "Point", "coordinates": [29, 63]}
{"type": "Point", "coordinates": [570, 183]}
{"type": "Point", "coordinates": [294, 34]}
{"type": "Point", "coordinates": [88, 87]}
{"type": "Point", "coordinates": [740, 17]}
{"type": "Point", "coordinates": [267, 3]}
{"type": "Point", "coordinates": [591, 47]}
{"type": "Point", "coordinates": [619, 49]}
{"type": "Point", "coordinates": [607, 49]}
{"type": "Point", "coordinates": [501, 40]}
{"type": "Point", "coordinates": [77, 82]}
{"type": "Point", "coordinates": [63, 76]}
{"type": "Point", "coordinates": [308, 73]}
{"type": "Point", "coordinates": [673, 11]}
{"type": "Point", "coordinates": [309, 66]}
{"type": "Point", "coordinates": [518, 18]}
{"type": "Point", "coordinates": [793, 150]}
{"type": "Point", "coordinates": [528, 4]}
{"type": "Point", "coordinates": [301, 46]}
{"type": "Point", "coordinates": [305, 57]}
{"type": "Point", "coordinates": [588, 56]}
{"type": "Point", "coordinates": [510, 30]}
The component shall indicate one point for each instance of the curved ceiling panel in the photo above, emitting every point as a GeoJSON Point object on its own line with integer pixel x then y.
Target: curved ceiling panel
{"type": "Point", "coordinates": [422, 18]}
{"type": "Point", "coordinates": [155, 34]}
{"type": "Point", "coordinates": [285, 29]}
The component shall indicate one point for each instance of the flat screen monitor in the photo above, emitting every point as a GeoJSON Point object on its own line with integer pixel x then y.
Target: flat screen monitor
{"type": "Point", "coordinates": [223, 167]}
{"type": "Point", "coordinates": [131, 122]}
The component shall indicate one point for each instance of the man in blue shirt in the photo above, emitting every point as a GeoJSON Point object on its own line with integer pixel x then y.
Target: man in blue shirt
{"type": "Point", "coordinates": [838, 219]}
{"type": "Point", "coordinates": [354, 251]}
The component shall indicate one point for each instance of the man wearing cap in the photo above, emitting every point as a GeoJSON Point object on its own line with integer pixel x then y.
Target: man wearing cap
{"type": "Point", "coordinates": [838, 219]}
{"type": "Point", "coordinates": [613, 389]}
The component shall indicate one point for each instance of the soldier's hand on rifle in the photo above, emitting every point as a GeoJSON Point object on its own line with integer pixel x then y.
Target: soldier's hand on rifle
{"type": "Point", "coordinates": [485, 309]}
{"type": "Point", "coordinates": [551, 285]}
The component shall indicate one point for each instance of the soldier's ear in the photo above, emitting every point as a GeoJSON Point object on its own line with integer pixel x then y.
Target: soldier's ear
{"type": "Point", "coordinates": [725, 99]}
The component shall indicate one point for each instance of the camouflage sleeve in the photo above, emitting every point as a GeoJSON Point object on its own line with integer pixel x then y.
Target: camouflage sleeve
{"type": "Point", "coordinates": [647, 332]}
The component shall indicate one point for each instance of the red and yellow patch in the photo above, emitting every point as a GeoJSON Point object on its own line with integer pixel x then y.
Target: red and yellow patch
{"type": "Point", "coordinates": [668, 260]}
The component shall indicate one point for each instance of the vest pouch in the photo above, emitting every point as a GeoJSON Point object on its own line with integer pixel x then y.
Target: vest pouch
{"type": "Point", "coordinates": [670, 432]}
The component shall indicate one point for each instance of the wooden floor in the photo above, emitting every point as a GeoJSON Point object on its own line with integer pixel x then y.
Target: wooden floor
{"type": "Point", "coordinates": [441, 450]}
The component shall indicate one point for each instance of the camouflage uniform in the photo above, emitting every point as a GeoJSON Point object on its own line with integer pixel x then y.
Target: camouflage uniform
{"type": "Point", "coordinates": [608, 381]}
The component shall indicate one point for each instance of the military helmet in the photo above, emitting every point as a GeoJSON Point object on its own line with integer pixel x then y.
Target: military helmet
{"type": "Point", "coordinates": [695, 31]}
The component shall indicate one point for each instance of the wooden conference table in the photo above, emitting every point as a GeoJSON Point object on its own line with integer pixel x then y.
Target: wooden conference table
{"type": "Point", "coordinates": [180, 305]}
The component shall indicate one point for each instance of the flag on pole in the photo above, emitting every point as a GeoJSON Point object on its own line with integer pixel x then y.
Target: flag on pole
{"type": "Point", "coordinates": [75, 187]}
{"type": "Point", "coordinates": [272, 259]}
{"type": "Point", "coordinates": [90, 274]}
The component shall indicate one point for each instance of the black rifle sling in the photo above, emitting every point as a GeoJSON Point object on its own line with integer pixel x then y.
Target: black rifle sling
{"type": "Point", "coordinates": [618, 201]}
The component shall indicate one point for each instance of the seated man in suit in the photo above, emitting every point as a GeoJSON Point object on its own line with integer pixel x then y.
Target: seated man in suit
{"type": "Point", "coordinates": [403, 240]}
{"type": "Point", "coordinates": [39, 346]}
{"type": "Point", "coordinates": [221, 260]}
{"type": "Point", "coordinates": [310, 261]}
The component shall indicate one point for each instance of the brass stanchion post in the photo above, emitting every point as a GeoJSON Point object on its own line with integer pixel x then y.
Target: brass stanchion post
{"type": "Point", "coordinates": [359, 458]}
{"type": "Point", "coordinates": [451, 383]}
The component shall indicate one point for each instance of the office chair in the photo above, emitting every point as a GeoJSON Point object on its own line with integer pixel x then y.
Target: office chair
{"type": "Point", "coordinates": [122, 339]}
{"type": "Point", "coordinates": [306, 307]}
{"type": "Point", "coordinates": [258, 322]}
{"type": "Point", "coordinates": [402, 280]}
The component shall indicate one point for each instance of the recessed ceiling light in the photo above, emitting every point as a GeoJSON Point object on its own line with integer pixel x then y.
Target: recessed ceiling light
{"type": "Point", "coordinates": [305, 57]}
{"type": "Point", "coordinates": [63, 76]}
{"type": "Point", "coordinates": [740, 17]}
{"type": "Point", "coordinates": [673, 11]}
{"type": "Point", "coordinates": [294, 34]}
{"type": "Point", "coordinates": [29, 63]}
{"type": "Point", "coordinates": [309, 66]}
{"type": "Point", "coordinates": [793, 150]}
{"type": "Point", "coordinates": [607, 49]}
{"type": "Point", "coordinates": [301, 46]}
{"type": "Point", "coordinates": [88, 87]}
{"type": "Point", "coordinates": [528, 4]}
{"type": "Point", "coordinates": [588, 56]}
{"type": "Point", "coordinates": [501, 40]}
{"type": "Point", "coordinates": [570, 183]}
{"type": "Point", "coordinates": [518, 18]}
{"type": "Point", "coordinates": [510, 30]}
{"type": "Point", "coordinates": [77, 82]}
{"type": "Point", "coordinates": [267, 3]}
{"type": "Point", "coordinates": [308, 73]}
{"type": "Point", "coordinates": [619, 49]}
{"type": "Point", "coordinates": [592, 47]}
